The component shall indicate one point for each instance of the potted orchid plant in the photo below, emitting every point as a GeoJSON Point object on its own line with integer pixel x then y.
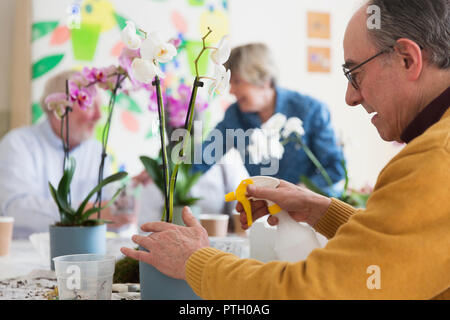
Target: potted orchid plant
{"type": "Point", "coordinates": [145, 66]}
{"type": "Point", "coordinates": [269, 141]}
{"type": "Point", "coordinates": [80, 92]}
{"type": "Point", "coordinates": [77, 231]}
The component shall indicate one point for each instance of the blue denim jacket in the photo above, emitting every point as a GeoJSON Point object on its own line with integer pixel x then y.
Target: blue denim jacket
{"type": "Point", "coordinates": [319, 137]}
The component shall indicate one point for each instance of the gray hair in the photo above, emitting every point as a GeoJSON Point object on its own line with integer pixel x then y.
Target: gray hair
{"type": "Point", "coordinates": [55, 84]}
{"type": "Point", "coordinates": [254, 63]}
{"type": "Point", "coordinates": [426, 22]}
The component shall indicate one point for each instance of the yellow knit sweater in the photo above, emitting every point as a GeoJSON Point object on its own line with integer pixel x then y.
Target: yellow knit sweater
{"type": "Point", "coordinates": [397, 248]}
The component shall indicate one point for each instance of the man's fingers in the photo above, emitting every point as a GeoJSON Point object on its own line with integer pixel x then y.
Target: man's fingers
{"type": "Point", "coordinates": [136, 254]}
{"type": "Point", "coordinates": [272, 220]}
{"type": "Point", "coordinates": [157, 226]}
{"type": "Point", "coordinates": [262, 193]}
{"type": "Point", "coordinates": [189, 219]}
{"type": "Point", "coordinates": [145, 242]}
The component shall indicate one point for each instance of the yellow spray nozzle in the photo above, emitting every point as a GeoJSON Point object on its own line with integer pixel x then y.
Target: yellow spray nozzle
{"type": "Point", "coordinates": [241, 195]}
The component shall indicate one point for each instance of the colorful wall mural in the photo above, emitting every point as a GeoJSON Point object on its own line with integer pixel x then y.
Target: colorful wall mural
{"type": "Point", "coordinates": [71, 34]}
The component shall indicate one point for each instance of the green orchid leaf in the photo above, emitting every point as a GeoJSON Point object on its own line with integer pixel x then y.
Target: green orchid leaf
{"type": "Point", "coordinates": [45, 64]}
{"type": "Point", "coordinates": [65, 210]}
{"type": "Point", "coordinates": [112, 178]}
{"type": "Point", "coordinates": [153, 169]}
{"type": "Point", "coordinates": [91, 211]}
{"type": "Point", "coordinates": [66, 180]}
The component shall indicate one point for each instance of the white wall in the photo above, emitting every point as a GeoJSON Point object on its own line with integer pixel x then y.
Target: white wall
{"type": "Point", "coordinates": [281, 25]}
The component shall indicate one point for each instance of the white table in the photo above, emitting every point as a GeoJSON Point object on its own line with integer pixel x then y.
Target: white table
{"type": "Point", "coordinates": [24, 258]}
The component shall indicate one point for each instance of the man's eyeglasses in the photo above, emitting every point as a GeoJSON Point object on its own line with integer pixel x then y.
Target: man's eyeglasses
{"type": "Point", "coordinates": [348, 73]}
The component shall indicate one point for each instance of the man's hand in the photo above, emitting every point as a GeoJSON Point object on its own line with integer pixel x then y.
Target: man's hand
{"type": "Point", "coordinates": [142, 178]}
{"type": "Point", "coordinates": [119, 219]}
{"type": "Point", "coordinates": [302, 204]}
{"type": "Point", "coordinates": [170, 246]}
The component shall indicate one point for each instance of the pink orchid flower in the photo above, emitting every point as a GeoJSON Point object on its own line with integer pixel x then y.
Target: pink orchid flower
{"type": "Point", "coordinates": [83, 96]}
{"type": "Point", "coordinates": [57, 102]}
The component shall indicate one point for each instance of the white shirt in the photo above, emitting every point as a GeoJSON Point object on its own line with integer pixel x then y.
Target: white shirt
{"type": "Point", "coordinates": [30, 158]}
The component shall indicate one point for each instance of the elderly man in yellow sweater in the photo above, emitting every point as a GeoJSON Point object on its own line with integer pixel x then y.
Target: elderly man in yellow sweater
{"type": "Point", "coordinates": [396, 248]}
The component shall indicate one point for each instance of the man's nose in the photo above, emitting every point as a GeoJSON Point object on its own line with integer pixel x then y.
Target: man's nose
{"type": "Point", "coordinates": [353, 96]}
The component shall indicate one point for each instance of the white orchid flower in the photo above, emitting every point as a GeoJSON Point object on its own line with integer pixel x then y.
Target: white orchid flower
{"type": "Point", "coordinates": [222, 52]}
{"type": "Point", "coordinates": [263, 147]}
{"type": "Point", "coordinates": [258, 146]}
{"type": "Point", "coordinates": [274, 124]}
{"type": "Point", "coordinates": [145, 70]}
{"type": "Point", "coordinates": [129, 36]}
{"type": "Point", "coordinates": [275, 148]}
{"type": "Point", "coordinates": [221, 80]}
{"type": "Point", "coordinates": [293, 125]}
{"type": "Point", "coordinates": [153, 48]}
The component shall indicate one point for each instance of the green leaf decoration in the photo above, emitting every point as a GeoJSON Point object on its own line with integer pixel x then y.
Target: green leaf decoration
{"type": "Point", "coordinates": [122, 22]}
{"type": "Point", "coordinates": [45, 64]}
{"type": "Point", "coordinates": [36, 112]}
{"type": "Point", "coordinates": [128, 103]}
{"type": "Point", "coordinates": [40, 29]}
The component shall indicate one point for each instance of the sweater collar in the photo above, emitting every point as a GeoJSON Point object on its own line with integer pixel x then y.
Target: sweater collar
{"type": "Point", "coordinates": [427, 117]}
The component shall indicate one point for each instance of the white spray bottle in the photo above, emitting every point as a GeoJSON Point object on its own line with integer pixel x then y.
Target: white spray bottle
{"type": "Point", "coordinates": [294, 241]}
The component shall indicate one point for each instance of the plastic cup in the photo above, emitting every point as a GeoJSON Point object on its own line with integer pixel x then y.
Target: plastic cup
{"type": "Point", "coordinates": [85, 276]}
{"type": "Point", "coordinates": [215, 224]}
{"type": "Point", "coordinates": [6, 231]}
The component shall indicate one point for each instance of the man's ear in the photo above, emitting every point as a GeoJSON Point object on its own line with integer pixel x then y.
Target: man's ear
{"type": "Point", "coordinates": [412, 57]}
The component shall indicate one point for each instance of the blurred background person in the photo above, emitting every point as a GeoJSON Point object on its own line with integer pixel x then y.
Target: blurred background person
{"type": "Point", "coordinates": [258, 98]}
{"type": "Point", "coordinates": [31, 157]}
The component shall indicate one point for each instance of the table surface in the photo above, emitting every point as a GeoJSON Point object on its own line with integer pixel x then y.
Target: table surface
{"type": "Point", "coordinates": [24, 258]}
{"type": "Point", "coordinates": [26, 274]}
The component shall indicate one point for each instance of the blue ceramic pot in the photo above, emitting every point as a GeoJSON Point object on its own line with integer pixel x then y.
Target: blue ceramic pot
{"type": "Point", "coordinates": [76, 240]}
{"type": "Point", "coordinates": [157, 286]}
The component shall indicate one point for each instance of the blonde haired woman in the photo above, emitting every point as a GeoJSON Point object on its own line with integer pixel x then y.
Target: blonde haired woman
{"type": "Point", "coordinates": [258, 98]}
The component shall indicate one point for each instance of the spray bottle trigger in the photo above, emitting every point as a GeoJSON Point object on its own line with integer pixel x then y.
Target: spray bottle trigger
{"type": "Point", "coordinates": [274, 209]}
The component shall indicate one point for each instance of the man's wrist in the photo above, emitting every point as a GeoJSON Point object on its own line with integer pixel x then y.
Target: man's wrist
{"type": "Point", "coordinates": [319, 207]}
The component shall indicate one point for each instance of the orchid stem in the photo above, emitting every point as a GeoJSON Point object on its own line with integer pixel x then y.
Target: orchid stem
{"type": "Point", "coordinates": [186, 140]}
{"type": "Point", "coordinates": [201, 52]}
{"type": "Point", "coordinates": [162, 130]}
{"type": "Point", "coordinates": [317, 163]}
{"type": "Point", "coordinates": [105, 136]}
